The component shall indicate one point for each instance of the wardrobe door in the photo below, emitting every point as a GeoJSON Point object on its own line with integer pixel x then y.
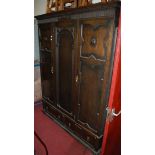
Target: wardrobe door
{"type": "Point", "coordinates": [95, 55]}
{"type": "Point", "coordinates": [47, 61]}
{"type": "Point", "coordinates": [66, 40]}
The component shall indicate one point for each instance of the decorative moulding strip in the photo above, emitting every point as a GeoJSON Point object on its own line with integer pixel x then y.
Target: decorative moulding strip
{"type": "Point", "coordinates": [100, 13]}
{"type": "Point", "coordinates": [70, 113]}
{"type": "Point", "coordinates": [55, 19]}
{"type": "Point", "coordinates": [87, 125]}
{"type": "Point", "coordinates": [47, 102]}
{"type": "Point", "coordinates": [92, 57]}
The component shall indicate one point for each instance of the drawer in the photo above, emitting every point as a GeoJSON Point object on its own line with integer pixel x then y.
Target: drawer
{"type": "Point", "coordinates": [58, 115]}
{"type": "Point", "coordinates": [51, 111]}
{"type": "Point", "coordinates": [91, 139]}
{"type": "Point", "coordinates": [72, 125]}
{"type": "Point", "coordinates": [45, 71]}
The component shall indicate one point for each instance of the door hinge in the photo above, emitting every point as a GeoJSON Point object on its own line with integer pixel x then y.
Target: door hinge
{"type": "Point", "coordinates": [111, 114]}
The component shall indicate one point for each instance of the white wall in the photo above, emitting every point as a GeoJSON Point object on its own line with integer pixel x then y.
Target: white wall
{"type": "Point", "coordinates": [96, 1]}
{"type": "Point", "coordinates": [39, 7]}
{"type": "Point", "coordinates": [36, 41]}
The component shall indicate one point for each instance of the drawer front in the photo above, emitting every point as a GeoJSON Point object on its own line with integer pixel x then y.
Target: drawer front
{"type": "Point", "coordinates": [84, 134]}
{"type": "Point", "coordinates": [91, 139]}
{"type": "Point", "coordinates": [51, 111]}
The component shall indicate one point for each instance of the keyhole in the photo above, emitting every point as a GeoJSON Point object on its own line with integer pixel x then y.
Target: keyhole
{"type": "Point", "coordinates": [93, 41]}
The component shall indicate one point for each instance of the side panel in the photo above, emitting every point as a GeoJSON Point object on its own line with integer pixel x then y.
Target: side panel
{"type": "Point", "coordinates": [47, 61]}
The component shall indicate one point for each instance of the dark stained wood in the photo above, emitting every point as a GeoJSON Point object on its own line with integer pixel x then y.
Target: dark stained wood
{"type": "Point", "coordinates": [65, 68]}
{"type": "Point", "coordinates": [111, 144]}
{"type": "Point", "coordinates": [90, 94]}
{"type": "Point", "coordinates": [46, 82]}
{"type": "Point", "coordinates": [76, 67]}
{"type": "Point", "coordinates": [46, 37]}
{"type": "Point", "coordinates": [66, 42]}
{"type": "Point", "coordinates": [70, 124]}
{"type": "Point", "coordinates": [97, 30]}
{"type": "Point", "coordinates": [47, 60]}
{"type": "Point", "coordinates": [94, 71]}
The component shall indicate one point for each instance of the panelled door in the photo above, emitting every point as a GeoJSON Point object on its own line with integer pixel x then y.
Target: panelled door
{"type": "Point", "coordinates": [95, 53]}
{"type": "Point", "coordinates": [47, 61]}
{"type": "Point", "coordinates": [66, 42]}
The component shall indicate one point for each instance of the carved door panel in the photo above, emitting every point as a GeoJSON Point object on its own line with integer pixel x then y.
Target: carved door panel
{"type": "Point", "coordinates": [47, 61]}
{"type": "Point", "coordinates": [66, 34]}
{"type": "Point", "coordinates": [94, 71]}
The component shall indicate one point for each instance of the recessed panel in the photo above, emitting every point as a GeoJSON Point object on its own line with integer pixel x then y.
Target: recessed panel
{"type": "Point", "coordinates": [65, 41]}
{"type": "Point", "coordinates": [95, 37]}
{"type": "Point", "coordinates": [90, 93]}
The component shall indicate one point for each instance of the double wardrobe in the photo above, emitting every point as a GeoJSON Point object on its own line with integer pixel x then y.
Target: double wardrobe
{"type": "Point", "coordinates": [77, 48]}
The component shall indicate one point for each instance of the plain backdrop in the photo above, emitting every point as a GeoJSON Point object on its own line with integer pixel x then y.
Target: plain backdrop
{"type": "Point", "coordinates": [17, 77]}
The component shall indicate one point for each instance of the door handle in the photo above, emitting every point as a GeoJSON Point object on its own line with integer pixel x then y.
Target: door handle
{"type": "Point", "coordinates": [115, 114]}
{"type": "Point", "coordinates": [52, 69]}
{"type": "Point", "coordinates": [111, 114]}
{"type": "Point", "coordinates": [76, 78]}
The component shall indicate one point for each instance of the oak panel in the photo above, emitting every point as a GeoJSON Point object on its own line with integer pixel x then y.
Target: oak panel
{"type": "Point", "coordinates": [65, 69]}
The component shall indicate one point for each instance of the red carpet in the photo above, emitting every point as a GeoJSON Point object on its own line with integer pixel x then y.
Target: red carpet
{"type": "Point", "coordinates": [57, 140]}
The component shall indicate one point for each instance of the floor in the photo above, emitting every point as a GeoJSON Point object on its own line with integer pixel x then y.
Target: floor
{"type": "Point", "coordinates": [57, 140]}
